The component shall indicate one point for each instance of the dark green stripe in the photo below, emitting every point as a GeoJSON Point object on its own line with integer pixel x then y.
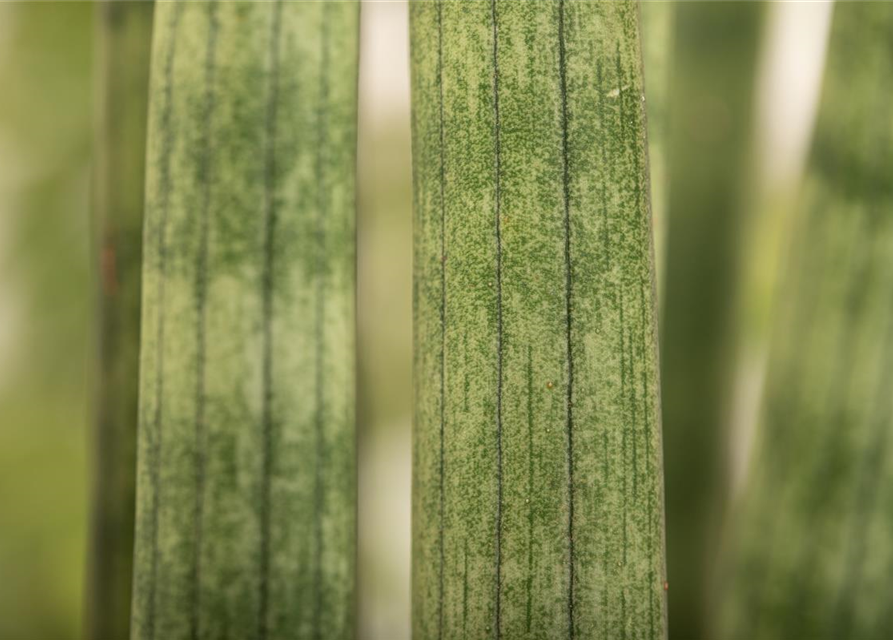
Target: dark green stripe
{"type": "Point", "coordinates": [267, 285]}
{"type": "Point", "coordinates": [565, 186]}
{"type": "Point", "coordinates": [163, 198]}
{"type": "Point", "coordinates": [498, 225]}
{"type": "Point", "coordinates": [204, 178]}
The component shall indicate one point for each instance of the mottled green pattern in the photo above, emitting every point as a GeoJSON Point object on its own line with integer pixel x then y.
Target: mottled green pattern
{"type": "Point", "coordinates": [711, 98]}
{"type": "Point", "coordinates": [537, 497]}
{"type": "Point", "coordinates": [811, 554]}
{"type": "Point", "coordinates": [246, 483]}
{"type": "Point", "coordinates": [123, 45]}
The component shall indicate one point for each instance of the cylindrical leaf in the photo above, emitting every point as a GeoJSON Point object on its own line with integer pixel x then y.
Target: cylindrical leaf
{"type": "Point", "coordinates": [711, 97]}
{"type": "Point", "coordinates": [537, 498]}
{"type": "Point", "coordinates": [810, 554]}
{"type": "Point", "coordinates": [657, 53]}
{"type": "Point", "coordinates": [123, 44]}
{"type": "Point", "coordinates": [246, 486]}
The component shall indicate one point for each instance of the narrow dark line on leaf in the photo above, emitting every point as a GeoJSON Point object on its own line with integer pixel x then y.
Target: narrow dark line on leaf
{"type": "Point", "coordinates": [319, 334]}
{"type": "Point", "coordinates": [623, 613]}
{"type": "Point", "coordinates": [528, 610]}
{"type": "Point", "coordinates": [606, 231]}
{"type": "Point", "coordinates": [649, 406]}
{"type": "Point", "coordinates": [164, 207]}
{"type": "Point", "coordinates": [443, 257]}
{"type": "Point", "coordinates": [651, 585]}
{"type": "Point", "coordinates": [201, 294]}
{"type": "Point", "coordinates": [638, 251]}
{"type": "Point", "coordinates": [623, 386]}
{"type": "Point", "coordinates": [606, 470]}
{"type": "Point", "coordinates": [464, 588]}
{"type": "Point", "coordinates": [626, 348]}
{"type": "Point", "coordinates": [569, 292]}
{"type": "Point", "coordinates": [466, 384]}
{"type": "Point", "coordinates": [604, 261]}
{"type": "Point", "coordinates": [497, 170]}
{"type": "Point", "coordinates": [633, 352]}
{"type": "Point", "coordinates": [270, 215]}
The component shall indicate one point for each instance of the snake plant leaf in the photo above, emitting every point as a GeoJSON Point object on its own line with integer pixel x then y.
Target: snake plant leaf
{"type": "Point", "coordinates": [714, 74]}
{"type": "Point", "coordinates": [123, 41]}
{"type": "Point", "coordinates": [810, 551]}
{"type": "Point", "coordinates": [657, 53]}
{"type": "Point", "coordinates": [537, 495]}
{"type": "Point", "coordinates": [246, 478]}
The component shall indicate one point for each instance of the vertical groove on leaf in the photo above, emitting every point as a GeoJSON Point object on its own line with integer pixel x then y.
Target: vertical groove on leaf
{"type": "Point", "coordinates": [269, 257]}
{"type": "Point", "coordinates": [568, 284]}
{"type": "Point", "coordinates": [123, 33]}
{"type": "Point", "coordinates": [443, 316]}
{"type": "Point", "coordinates": [154, 438]}
{"type": "Point", "coordinates": [319, 354]}
{"type": "Point", "coordinates": [537, 491]}
{"type": "Point", "coordinates": [246, 476]}
{"type": "Point", "coordinates": [204, 173]}
{"type": "Point", "coordinates": [810, 552]}
{"type": "Point", "coordinates": [499, 372]}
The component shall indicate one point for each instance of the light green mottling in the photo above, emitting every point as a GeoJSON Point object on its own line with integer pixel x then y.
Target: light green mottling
{"type": "Point", "coordinates": [246, 481]}
{"type": "Point", "coordinates": [537, 497]}
{"type": "Point", "coordinates": [810, 553]}
{"type": "Point", "coordinates": [123, 46]}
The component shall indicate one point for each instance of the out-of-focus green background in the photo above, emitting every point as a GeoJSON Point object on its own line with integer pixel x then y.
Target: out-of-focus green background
{"type": "Point", "coordinates": [46, 304]}
{"type": "Point", "coordinates": [48, 294]}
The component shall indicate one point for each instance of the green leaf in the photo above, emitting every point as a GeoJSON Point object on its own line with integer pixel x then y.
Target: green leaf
{"type": "Point", "coordinates": [657, 52]}
{"type": "Point", "coordinates": [809, 554]}
{"type": "Point", "coordinates": [124, 37]}
{"type": "Point", "coordinates": [711, 98]}
{"type": "Point", "coordinates": [246, 482]}
{"type": "Point", "coordinates": [537, 498]}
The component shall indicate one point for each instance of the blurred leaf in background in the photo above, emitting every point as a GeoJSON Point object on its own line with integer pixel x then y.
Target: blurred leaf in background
{"type": "Point", "coordinates": [46, 302]}
{"type": "Point", "coordinates": [123, 35]}
{"type": "Point", "coordinates": [810, 553]}
{"type": "Point", "coordinates": [715, 47]}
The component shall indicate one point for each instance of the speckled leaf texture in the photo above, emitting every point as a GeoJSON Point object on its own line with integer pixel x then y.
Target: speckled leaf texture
{"type": "Point", "coordinates": [811, 556]}
{"type": "Point", "coordinates": [123, 46]}
{"type": "Point", "coordinates": [537, 492]}
{"type": "Point", "coordinates": [246, 504]}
